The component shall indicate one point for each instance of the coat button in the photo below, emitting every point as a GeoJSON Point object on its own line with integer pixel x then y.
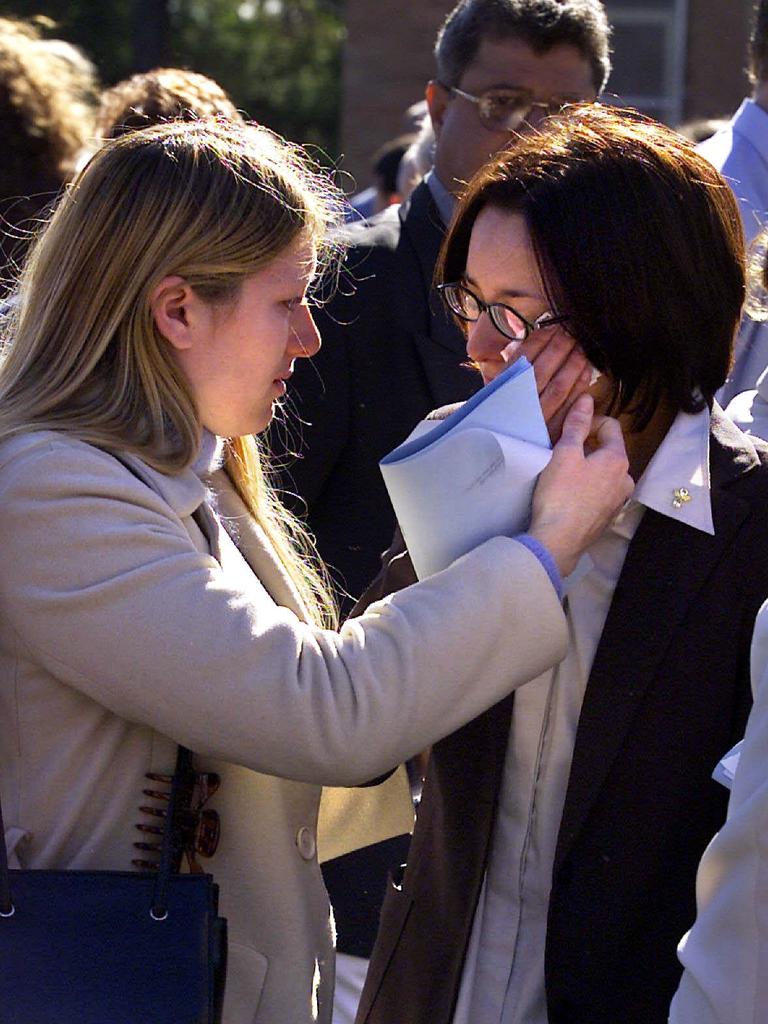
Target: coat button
{"type": "Point", "coordinates": [306, 843]}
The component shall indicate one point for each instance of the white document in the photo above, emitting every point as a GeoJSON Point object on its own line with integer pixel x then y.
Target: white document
{"type": "Point", "coordinates": [457, 482]}
{"type": "Point", "coordinates": [725, 770]}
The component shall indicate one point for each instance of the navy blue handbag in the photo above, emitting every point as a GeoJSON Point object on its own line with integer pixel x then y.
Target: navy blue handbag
{"type": "Point", "coordinates": [112, 947]}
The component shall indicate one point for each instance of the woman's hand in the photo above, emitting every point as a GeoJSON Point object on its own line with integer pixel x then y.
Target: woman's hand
{"type": "Point", "coordinates": [580, 491]}
{"type": "Point", "coordinates": [561, 369]}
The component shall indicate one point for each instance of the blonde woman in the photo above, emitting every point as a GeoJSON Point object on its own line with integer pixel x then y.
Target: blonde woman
{"type": "Point", "coordinates": [161, 312]}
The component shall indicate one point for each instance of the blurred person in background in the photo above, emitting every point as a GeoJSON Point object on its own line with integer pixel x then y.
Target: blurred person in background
{"type": "Point", "coordinates": [163, 94]}
{"type": "Point", "coordinates": [702, 129]}
{"type": "Point", "coordinates": [386, 166]}
{"type": "Point", "coordinates": [740, 152]}
{"type": "Point", "coordinates": [48, 94]}
{"type": "Point", "coordinates": [384, 190]}
{"type": "Point", "coordinates": [749, 409]}
{"type": "Point", "coordinates": [417, 160]}
{"type": "Point", "coordinates": [413, 119]}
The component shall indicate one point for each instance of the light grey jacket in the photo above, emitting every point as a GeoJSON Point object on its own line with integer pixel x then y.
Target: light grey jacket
{"type": "Point", "coordinates": [121, 635]}
{"type": "Point", "coordinates": [725, 954]}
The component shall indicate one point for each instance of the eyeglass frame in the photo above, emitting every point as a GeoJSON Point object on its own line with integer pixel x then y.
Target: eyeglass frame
{"type": "Point", "coordinates": [545, 319]}
{"type": "Point", "coordinates": [548, 105]}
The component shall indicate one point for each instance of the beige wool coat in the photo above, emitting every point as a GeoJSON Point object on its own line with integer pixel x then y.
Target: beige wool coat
{"type": "Point", "coordinates": [125, 630]}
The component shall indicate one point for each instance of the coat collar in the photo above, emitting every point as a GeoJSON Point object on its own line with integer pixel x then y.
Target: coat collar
{"type": "Point", "coordinates": [187, 495]}
{"type": "Point", "coordinates": [183, 491]}
{"type": "Point", "coordinates": [649, 604]}
{"type": "Point", "coordinates": [254, 545]}
{"type": "Point", "coordinates": [676, 481]}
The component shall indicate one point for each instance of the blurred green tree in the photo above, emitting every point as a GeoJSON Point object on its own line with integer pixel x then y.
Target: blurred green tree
{"type": "Point", "coordinates": [280, 60]}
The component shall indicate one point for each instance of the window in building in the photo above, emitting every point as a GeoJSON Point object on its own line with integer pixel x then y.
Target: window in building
{"type": "Point", "coordinates": [649, 56]}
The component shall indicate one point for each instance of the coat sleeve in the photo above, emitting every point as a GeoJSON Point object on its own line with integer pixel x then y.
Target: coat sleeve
{"type": "Point", "coordinates": [725, 955]}
{"type": "Point", "coordinates": [102, 587]}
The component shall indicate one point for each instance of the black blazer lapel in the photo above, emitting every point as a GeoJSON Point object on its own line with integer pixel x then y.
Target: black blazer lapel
{"type": "Point", "coordinates": [666, 566]}
{"type": "Point", "coordinates": [440, 344]}
{"type": "Point", "coordinates": [415, 970]}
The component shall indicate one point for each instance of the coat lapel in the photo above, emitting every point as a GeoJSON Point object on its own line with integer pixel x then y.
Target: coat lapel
{"type": "Point", "coordinates": [666, 566]}
{"type": "Point", "coordinates": [254, 545]}
{"type": "Point", "coordinates": [439, 342]}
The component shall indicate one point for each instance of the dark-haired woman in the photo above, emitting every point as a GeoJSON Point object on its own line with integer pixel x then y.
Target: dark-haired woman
{"type": "Point", "coordinates": [552, 869]}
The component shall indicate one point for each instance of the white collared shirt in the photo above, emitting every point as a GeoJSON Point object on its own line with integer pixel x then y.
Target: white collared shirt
{"type": "Point", "coordinates": [740, 152]}
{"type": "Point", "coordinates": [445, 201]}
{"type": "Point", "coordinates": [503, 977]}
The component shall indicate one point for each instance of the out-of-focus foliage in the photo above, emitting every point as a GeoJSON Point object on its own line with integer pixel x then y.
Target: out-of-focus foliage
{"type": "Point", "coordinates": [280, 60]}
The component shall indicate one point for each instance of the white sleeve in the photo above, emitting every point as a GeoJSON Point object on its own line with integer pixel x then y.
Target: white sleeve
{"type": "Point", "coordinates": [103, 589]}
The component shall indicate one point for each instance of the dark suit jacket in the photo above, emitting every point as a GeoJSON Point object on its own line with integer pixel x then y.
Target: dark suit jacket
{"type": "Point", "coordinates": [390, 354]}
{"type": "Point", "coordinates": [667, 696]}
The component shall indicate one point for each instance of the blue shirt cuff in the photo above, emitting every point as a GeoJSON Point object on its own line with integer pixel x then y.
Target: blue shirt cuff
{"type": "Point", "coordinates": [547, 561]}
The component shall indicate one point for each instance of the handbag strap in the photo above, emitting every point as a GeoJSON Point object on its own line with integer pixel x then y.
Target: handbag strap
{"type": "Point", "coordinates": [170, 852]}
{"type": "Point", "coordinates": [181, 792]}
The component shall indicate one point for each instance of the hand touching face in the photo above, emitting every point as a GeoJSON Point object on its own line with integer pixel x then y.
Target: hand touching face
{"type": "Point", "coordinates": [501, 267]}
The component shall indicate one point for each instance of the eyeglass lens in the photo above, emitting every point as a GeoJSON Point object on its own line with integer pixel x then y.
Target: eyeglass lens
{"type": "Point", "coordinates": [508, 322]}
{"type": "Point", "coordinates": [467, 306]}
{"type": "Point", "coordinates": [506, 109]}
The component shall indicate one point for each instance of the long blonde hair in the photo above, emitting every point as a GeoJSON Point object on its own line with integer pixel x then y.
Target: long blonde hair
{"type": "Point", "coordinates": [211, 202]}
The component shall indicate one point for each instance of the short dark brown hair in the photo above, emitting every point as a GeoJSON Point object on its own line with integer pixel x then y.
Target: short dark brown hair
{"type": "Point", "coordinates": [637, 238]}
{"type": "Point", "coordinates": [758, 45]}
{"type": "Point", "coordinates": [164, 94]}
{"type": "Point", "coordinates": [541, 24]}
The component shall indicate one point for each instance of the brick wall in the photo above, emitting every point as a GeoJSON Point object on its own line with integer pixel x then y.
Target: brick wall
{"type": "Point", "coordinates": [387, 62]}
{"type": "Point", "coordinates": [718, 34]}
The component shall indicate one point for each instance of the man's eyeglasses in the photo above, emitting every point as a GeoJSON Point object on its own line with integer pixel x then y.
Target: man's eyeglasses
{"type": "Point", "coordinates": [469, 307]}
{"type": "Point", "coordinates": [504, 110]}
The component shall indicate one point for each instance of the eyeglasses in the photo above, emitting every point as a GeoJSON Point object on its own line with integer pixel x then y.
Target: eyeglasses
{"type": "Point", "coordinates": [504, 110]}
{"type": "Point", "coordinates": [198, 826]}
{"type": "Point", "coordinates": [469, 307]}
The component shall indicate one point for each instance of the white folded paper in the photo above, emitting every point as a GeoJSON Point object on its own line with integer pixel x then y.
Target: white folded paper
{"type": "Point", "coordinates": [725, 769]}
{"type": "Point", "coordinates": [457, 482]}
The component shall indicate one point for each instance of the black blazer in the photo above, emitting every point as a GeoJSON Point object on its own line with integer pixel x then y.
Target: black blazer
{"type": "Point", "coordinates": [667, 696]}
{"type": "Point", "coordinates": [390, 354]}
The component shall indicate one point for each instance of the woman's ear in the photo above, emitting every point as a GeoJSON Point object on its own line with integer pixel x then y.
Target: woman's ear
{"type": "Point", "coordinates": [172, 302]}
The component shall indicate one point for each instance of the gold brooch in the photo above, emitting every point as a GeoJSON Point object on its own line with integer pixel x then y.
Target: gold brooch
{"type": "Point", "coordinates": [682, 495]}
